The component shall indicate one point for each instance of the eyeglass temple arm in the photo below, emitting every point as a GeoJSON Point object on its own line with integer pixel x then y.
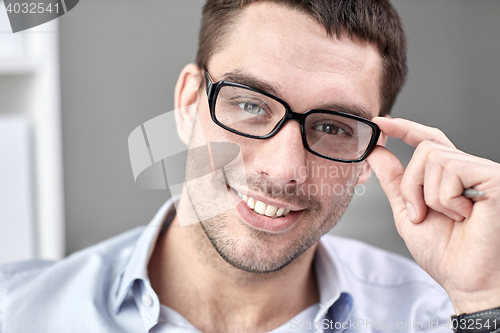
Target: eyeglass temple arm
{"type": "Point", "coordinates": [208, 82]}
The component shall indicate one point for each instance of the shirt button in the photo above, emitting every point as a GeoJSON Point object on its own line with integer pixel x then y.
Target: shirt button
{"type": "Point", "coordinates": [147, 300]}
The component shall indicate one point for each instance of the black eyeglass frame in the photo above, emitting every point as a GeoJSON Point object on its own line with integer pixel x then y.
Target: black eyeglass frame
{"type": "Point", "coordinates": [213, 89]}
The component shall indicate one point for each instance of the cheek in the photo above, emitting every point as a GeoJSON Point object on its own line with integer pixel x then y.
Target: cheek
{"type": "Point", "coordinates": [211, 131]}
{"type": "Point", "coordinates": [208, 131]}
{"type": "Point", "coordinates": [328, 181]}
{"type": "Point", "coordinates": [214, 133]}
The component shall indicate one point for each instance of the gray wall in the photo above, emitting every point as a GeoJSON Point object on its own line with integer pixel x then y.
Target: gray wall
{"type": "Point", "coordinates": [120, 62]}
{"type": "Point", "coordinates": [453, 84]}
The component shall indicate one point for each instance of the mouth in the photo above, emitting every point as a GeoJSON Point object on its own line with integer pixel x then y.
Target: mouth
{"type": "Point", "coordinates": [266, 216]}
{"type": "Point", "coordinates": [262, 208]}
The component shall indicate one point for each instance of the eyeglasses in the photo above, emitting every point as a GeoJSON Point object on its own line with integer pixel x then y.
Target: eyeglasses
{"type": "Point", "coordinates": [256, 114]}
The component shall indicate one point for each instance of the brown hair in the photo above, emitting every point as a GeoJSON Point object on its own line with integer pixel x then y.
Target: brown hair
{"type": "Point", "coordinates": [374, 21]}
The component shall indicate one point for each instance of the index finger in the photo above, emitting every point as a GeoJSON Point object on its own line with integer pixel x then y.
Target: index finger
{"type": "Point", "coordinates": [411, 132]}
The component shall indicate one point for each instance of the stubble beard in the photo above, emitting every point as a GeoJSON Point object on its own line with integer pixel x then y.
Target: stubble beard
{"type": "Point", "coordinates": [255, 250]}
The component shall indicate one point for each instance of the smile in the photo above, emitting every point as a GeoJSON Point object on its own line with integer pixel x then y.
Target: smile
{"type": "Point", "coordinates": [262, 208]}
{"type": "Point", "coordinates": [271, 217]}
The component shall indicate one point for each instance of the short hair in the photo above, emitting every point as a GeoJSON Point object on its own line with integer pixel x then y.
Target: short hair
{"type": "Point", "coordinates": [374, 21]}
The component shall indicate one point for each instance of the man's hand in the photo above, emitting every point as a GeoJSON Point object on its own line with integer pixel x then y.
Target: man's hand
{"type": "Point", "coordinates": [455, 240]}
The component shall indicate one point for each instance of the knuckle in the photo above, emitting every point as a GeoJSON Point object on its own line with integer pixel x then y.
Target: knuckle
{"type": "Point", "coordinates": [425, 145]}
{"type": "Point", "coordinates": [434, 154]}
{"type": "Point", "coordinates": [431, 199]}
{"type": "Point", "coordinates": [446, 201]}
{"type": "Point", "coordinates": [437, 132]}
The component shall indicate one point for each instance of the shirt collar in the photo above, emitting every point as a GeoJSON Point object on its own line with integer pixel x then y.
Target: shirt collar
{"type": "Point", "coordinates": [136, 266]}
{"type": "Point", "coordinates": [329, 276]}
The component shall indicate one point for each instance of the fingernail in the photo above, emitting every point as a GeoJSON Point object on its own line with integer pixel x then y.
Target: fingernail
{"type": "Point", "coordinates": [450, 217]}
{"type": "Point", "coordinates": [410, 211]}
{"type": "Point", "coordinates": [455, 217]}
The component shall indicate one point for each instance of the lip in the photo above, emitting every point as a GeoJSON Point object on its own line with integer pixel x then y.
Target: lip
{"type": "Point", "coordinates": [262, 222]}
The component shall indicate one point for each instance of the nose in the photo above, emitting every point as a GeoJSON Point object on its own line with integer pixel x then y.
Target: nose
{"type": "Point", "coordinates": [282, 158]}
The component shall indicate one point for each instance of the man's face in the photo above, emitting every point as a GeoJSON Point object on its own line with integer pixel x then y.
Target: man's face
{"type": "Point", "coordinates": [275, 46]}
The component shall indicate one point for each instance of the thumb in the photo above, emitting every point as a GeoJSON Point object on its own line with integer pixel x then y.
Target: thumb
{"type": "Point", "coordinates": [389, 172]}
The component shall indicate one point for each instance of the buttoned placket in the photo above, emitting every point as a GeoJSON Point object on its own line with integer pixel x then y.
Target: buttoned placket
{"type": "Point", "coordinates": [147, 302]}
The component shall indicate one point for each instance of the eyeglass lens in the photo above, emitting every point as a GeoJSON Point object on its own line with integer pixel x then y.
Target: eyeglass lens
{"type": "Point", "coordinates": [255, 114]}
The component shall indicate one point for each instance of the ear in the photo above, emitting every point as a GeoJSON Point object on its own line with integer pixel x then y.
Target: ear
{"type": "Point", "coordinates": [367, 170]}
{"type": "Point", "coordinates": [186, 100]}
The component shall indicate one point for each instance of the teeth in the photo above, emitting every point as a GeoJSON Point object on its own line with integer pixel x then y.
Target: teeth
{"type": "Point", "coordinates": [263, 209]}
{"type": "Point", "coordinates": [251, 202]}
{"type": "Point", "coordinates": [280, 211]}
{"type": "Point", "coordinates": [260, 207]}
{"type": "Point", "coordinates": [271, 210]}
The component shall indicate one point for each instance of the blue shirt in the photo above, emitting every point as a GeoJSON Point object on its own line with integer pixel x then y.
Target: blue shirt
{"type": "Point", "coordinates": [105, 288]}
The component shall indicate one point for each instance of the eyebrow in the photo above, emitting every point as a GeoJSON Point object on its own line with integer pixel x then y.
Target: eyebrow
{"type": "Point", "coordinates": [238, 76]}
{"type": "Point", "coordinates": [355, 110]}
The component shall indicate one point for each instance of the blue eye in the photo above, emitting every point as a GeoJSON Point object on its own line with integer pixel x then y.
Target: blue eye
{"type": "Point", "coordinates": [252, 108]}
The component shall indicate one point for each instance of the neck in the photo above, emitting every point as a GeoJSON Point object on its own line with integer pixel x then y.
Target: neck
{"type": "Point", "coordinates": [190, 277]}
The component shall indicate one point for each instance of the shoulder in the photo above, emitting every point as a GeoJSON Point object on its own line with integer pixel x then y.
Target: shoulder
{"type": "Point", "coordinates": [107, 252]}
{"type": "Point", "coordinates": [368, 263]}
{"type": "Point", "coordinates": [385, 284]}
{"type": "Point", "coordinates": [44, 290]}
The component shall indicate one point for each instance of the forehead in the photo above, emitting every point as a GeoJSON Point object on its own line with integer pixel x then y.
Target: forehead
{"type": "Point", "coordinates": [291, 50]}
